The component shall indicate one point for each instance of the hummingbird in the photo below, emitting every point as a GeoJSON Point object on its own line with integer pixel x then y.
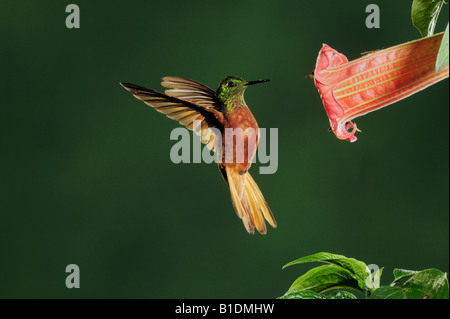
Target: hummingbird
{"type": "Point", "coordinates": [185, 101]}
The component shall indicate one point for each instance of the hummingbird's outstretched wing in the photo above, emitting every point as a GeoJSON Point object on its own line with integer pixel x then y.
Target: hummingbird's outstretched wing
{"type": "Point", "coordinates": [191, 91]}
{"type": "Point", "coordinates": [183, 111]}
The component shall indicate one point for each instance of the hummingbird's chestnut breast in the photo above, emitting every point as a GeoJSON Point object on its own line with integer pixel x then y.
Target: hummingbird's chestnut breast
{"type": "Point", "coordinates": [240, 139]}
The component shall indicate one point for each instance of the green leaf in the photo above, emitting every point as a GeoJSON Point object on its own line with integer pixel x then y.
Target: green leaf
{"type": "Point", "coordinates": [388, 293]}
{"type": "Point", "coordinates": [377, 278]}
{"type": "Point", "coordinates": [357, 269]}
{"type": "Point", "coordinates": [323, 278]}
{"type": "Point", "coordinates": [400, 274]}
{"type": "Point", "coordinates": [424, 14]}
{"type": "Point", "coordinates": [426, 284]}
{"type": "Point", "coordinates": [442, 57]}
{"type": "Point", "coordinates": [308, 294]}
{"type": "Point", "coordinates": [341, 294]}
{"type": "Point", "coordinates": [302, 294]}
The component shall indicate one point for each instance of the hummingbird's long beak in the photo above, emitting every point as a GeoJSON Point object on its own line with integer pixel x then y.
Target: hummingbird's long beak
{"type": "Point", "coordinates": [256, 82]}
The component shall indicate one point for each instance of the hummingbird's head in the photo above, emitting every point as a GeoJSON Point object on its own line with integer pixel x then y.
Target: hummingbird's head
{"type": "Point", "coordinates": [233, 87]}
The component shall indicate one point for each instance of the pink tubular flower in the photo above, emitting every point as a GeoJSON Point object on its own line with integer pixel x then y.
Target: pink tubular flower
{"type": "Point", "coordinates": [352, 89]}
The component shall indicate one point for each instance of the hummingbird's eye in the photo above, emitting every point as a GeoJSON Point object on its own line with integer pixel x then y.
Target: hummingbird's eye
{"type": "Point", "coordinates": [231, 84]}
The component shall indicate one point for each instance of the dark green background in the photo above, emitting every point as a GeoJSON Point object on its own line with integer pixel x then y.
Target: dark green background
{"type": "Point", "coordinates": [86, 176]}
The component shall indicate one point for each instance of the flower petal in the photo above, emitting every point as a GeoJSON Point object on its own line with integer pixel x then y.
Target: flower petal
{"type": "Point", "coordinates": [352, 89]}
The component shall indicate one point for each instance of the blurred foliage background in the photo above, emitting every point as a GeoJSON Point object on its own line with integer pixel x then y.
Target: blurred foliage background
{"type": "Point", "coordinates": [86, 176]}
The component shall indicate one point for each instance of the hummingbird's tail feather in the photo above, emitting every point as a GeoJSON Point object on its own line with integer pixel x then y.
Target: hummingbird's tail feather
{"type": "Point", "coordinates": [249, 202]}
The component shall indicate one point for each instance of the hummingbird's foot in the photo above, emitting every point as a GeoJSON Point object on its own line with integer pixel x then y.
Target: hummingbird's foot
{"type": "Point", "coordinates": [243, 172]}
